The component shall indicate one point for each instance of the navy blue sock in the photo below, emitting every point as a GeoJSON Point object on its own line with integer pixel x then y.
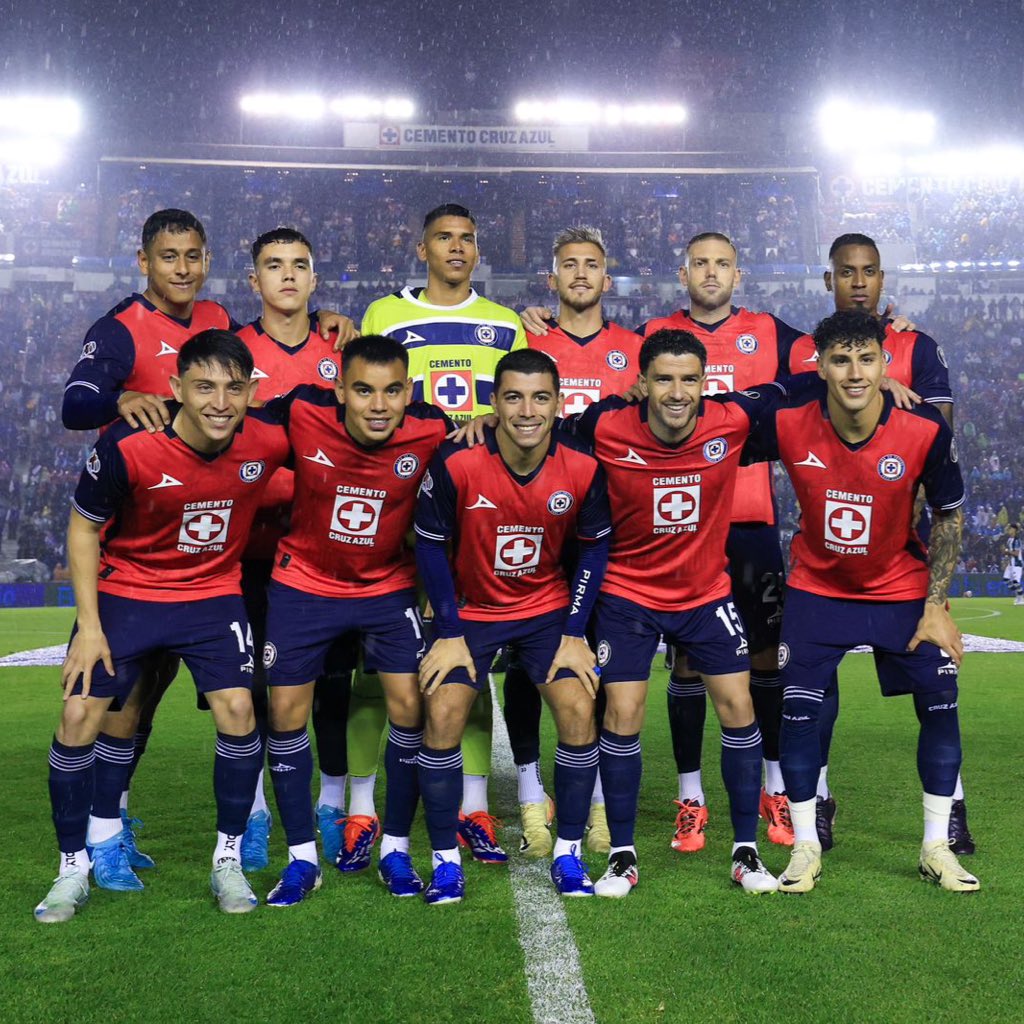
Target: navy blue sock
{"type": "Point", "coordinates": [621, 768]}
{"type": "Point", "coordinates": [113, 769]}
{"type": "Point", "coordinates": [938, 743]}
{"type": "Point", "coordinates": [71, 783]}
{"type": "Point", "coordinates": [827, 717]}
{"type": "Point", "coordinates": [522, 714]}
{"type": "Point", "coordinates": [236, 767]}
{"type": "Point", "coordinates": [141, 741]}
{"type": "Point", "coordinates": [403, 789]}
{"type": "Point", "coordinates": [687, 711]}
{"type": "Point", "coordinates": [766, 694]}
{"type": "Point", "coordinates": [291, 767]}
{"type": "Point", "coordinates": [440, 774]}
{"type": "Point", "coordinates": [331, 696]}
{"type": "Point", "coordinates": [575, 775]}
{"type": "Point", "coordinates": [799, 742]}
{"type": "Point", "coordinates": [741, 773]}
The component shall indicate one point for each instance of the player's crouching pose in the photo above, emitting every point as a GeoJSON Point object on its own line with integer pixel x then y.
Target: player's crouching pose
{"type": "Point", "coordinates": [671, 462]}
{"type": "Point", "coordinates": [511, 506]}
{"type": "Point", "coordinates": [344, 567]}
{"type": "Point", "coordinates": [163, 576]}
{"type": "Point", "coordinates": [860, 576]}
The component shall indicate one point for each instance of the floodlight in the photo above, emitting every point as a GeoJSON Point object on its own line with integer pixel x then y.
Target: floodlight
{"type": "Point", "coordinates": [54, 117]}
{"type": "Point", "coordinates": [30, 152]}
{"type": "Point", "coordinates": [294, 106]}
{"type": "Point", "coordinates": [368, 108]}
{"type": "Point", "coordinates": [904, 128]}
{"type": "Point", "coordinates": [570, 110]}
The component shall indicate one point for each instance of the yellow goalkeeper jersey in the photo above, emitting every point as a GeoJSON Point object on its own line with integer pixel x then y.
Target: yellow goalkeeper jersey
{"type": "Point", "coordinates": [453, 350]}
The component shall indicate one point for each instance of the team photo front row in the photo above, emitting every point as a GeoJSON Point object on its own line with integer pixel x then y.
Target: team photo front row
{"type": "Point", "coordinates": [267, 547]}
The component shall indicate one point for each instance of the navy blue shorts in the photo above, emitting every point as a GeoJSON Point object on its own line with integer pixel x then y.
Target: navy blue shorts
{"type": "Point", "coordinates": [533, 642]}
{"type": "Point", "coordinates": [712, 635]}
{"type": "Point", "coordinates": [212, 636]}
{"type": "Point", "coordinates": [302, 627]}
{"type": "Point", "coordinates": [817, 631]}
{"type": "Point", "coordinates": [758, 576]}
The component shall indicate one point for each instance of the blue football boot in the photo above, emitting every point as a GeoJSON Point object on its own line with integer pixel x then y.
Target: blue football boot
{"type": "Point", "coordinates": [298, 880]}
{"type": "Point", "coordinates": [110, 867]}
{"type": "Point", "coordinates": [569, 874]}
{"type": "Point", "coordinates": [397, 873]}
{"type": "Point", "coordinates": [447, 883]}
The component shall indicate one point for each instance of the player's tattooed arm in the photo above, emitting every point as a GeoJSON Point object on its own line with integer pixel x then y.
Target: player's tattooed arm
{"type": "Point", "coordinates": [936, 624]}
{"type": "Point", "coordinates": [89, 645]}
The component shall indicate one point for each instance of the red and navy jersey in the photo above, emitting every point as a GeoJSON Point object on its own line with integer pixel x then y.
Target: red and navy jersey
{"type": "Point", "coordinates": [177, 520]}
{"type": "Point", "coordinates": [912, 358]}
{"type": "Point", "coordinates": [670, 504]}
{"type": "Point", "coordinates": [133, 348]}
{"type": "Point", "coordinates": [353, 505]}
{"type": "Point", "coordinates": [509, 531]}
{"type": "Point", "coordinates": [278, 369]}
{"type": "Point", "coordinates": [602, 365]}
{"type": "Point", "coordinates": [856, 537]}
{"type": "Point", "coordinates": [744, 349]}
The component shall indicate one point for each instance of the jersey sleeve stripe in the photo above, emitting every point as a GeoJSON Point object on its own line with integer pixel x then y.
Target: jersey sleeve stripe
{"type": "Point", "coordinates": [80, 384]}
{"type": "Point", "coordinates": [88, 515]}
{"type": "Point", "coordinates": [430, 536]}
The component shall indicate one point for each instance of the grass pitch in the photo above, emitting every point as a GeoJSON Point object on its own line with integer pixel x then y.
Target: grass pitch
{"type": "Point", "coordinates": [872, 943]}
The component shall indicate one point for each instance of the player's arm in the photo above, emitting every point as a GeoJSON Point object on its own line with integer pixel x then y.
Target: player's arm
{"type": "Point", "coordinates": [944, 489]}
{"type": "Point", "coordinates": [329, 321]}
{"type": "Point", "coordinates": [435, 522]}
{"type": "Point", "coordinates": [594, 534]}
{"type": "Point", "coordinates": [931, 375]}
{"type": "Point", "coordinates": [535, 319]}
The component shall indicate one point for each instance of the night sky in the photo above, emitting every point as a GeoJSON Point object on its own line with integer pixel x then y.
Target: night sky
{"type": "Point", "coordinates": [175, 71]}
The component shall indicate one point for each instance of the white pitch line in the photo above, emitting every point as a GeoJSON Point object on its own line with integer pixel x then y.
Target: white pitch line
{"type": "Point", "coordinates": [554, 977]}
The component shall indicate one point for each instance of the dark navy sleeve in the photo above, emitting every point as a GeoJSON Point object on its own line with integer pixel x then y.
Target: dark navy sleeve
{"type": "Point", "coordinates": [785, 337]}
{"type": "Point", "coordinates": [436, 503]}
{"type": "Point", "coordinates": [96, 382]}
{"type": "Point", "coordinates": [758, 402]}
{"type": "Point", "coordinates": [593, 528]}
{"type": "Point", "coordinates": [435, 571]}
{"type": "Point", "coordinates": [943, 482]}
{"type": "Point", "coordinates": [104, 483]}
{"type": "Point", "coordinates": [583, 425]}
{"type": "Point", "coordinates": [761, 404]}
{"type": "Point", "coordinates": [595, 518]}
{"type": "Point", "coordinates": [929, 372]}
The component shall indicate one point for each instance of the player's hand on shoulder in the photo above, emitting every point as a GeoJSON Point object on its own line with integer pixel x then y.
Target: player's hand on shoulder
{"type": "Point", "coordinates": [88, 647]}
{"type": "Point", "coordinates": [445, 654]}
{"type": "Point", "coordinates": [473, 431]}
{"type": "Point", "coordinates": [138, 409]}
{"type": "Point", "coordinates": [637, 392]}
{"type": "Point", "coordinates": [900, 322]}
{"type": "Point", "coordinates": [330, 321]}
{"type": "Point", "coordinates": [533, 318]}
{"type": "Point", "coordinates": [575, 655]}
{"type": "Point", "coordinates": [936, 626]}
{"type": "Point", "coordinates": [904, 397]}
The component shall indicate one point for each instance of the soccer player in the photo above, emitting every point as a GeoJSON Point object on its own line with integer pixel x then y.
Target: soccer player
{"type": "Point", "coordinates": [124, 370]}
{"type": "Point", "coordinates": [672, 463]}
{"type": "Point", "coordinates": [156, 531]}
{"type": "Point", "coordinates": [454, 338]}
{"type": "Point", "coordinates": [1014, 561]}
{"type": "Point", "coordinates": [510, 507]}
{"type": "Point", "coordinates": [343, 567]}
{"type": "Point", "coordinates": [860, 576]}
{"type": "Point", "coordinates": [287, 352]}
{"type": "Point", "coordinates": [855, 278]}
{"type": "Point", "coordinates": [595, 359]}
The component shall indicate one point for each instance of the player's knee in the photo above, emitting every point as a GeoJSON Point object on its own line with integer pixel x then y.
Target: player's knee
{"type": "Point", "coordinates": [289, 708]}
{"type": "Point", "coordinates": [406, 709]}
{"type": "Point", "coordinates": [80, 722]}
{"type": "Point", "coordinates": [624, 714]}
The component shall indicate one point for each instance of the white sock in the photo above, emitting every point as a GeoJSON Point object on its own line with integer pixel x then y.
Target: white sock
{"type": "Point", "coordinates": [124, 802]}
{"type": "Point", "coordinates": [474, 793]}
{"type": "Point", "coordinates": [391, 844]}
{"type": "Point", "coordinates": [773, 783]}
{"type": "Point", "coordinates": [360, 794]}
{"type": "Point", "coordinates": [958, 793]}
{"type": "Point", "coordinates": [752, 846]}
{"type": "Point", "coordinates": [802, 813]}
{"type": "Point", "coordinates": [597, 797]}
{"type": "Point", "coordinates": [303, 851]}
{"type": "Point", "coordinates": [531, 788]}
{"type": "Point", "coordinates": [690, 787]}
{"type": "Point", "coordinates": [102, 829]}
{"type": "Point", "coordinates": [227, 848]}
{"type": "Point", "coordinates": [332, 791]}
{"type": "Point", "coordinates": [260, 802]}
{"type": "Point", "coordinates": [73, 862]}
{"type": "Point", "coordinates": [564, 846]}
{"type": "Point", "coordinates": [823, 790]}
{"type": "Point", "coordinates": [449, 856]}
{"type": "Point", "coordinates": [936, 816]}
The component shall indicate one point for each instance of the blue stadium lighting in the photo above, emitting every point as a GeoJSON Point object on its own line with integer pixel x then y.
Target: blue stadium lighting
{"type": "Point", "coordinates": [40, 116]}
{"type": "Point", "coordinates": [570, 111]}
{"type": "Point", "coordinates": [914, 128]}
